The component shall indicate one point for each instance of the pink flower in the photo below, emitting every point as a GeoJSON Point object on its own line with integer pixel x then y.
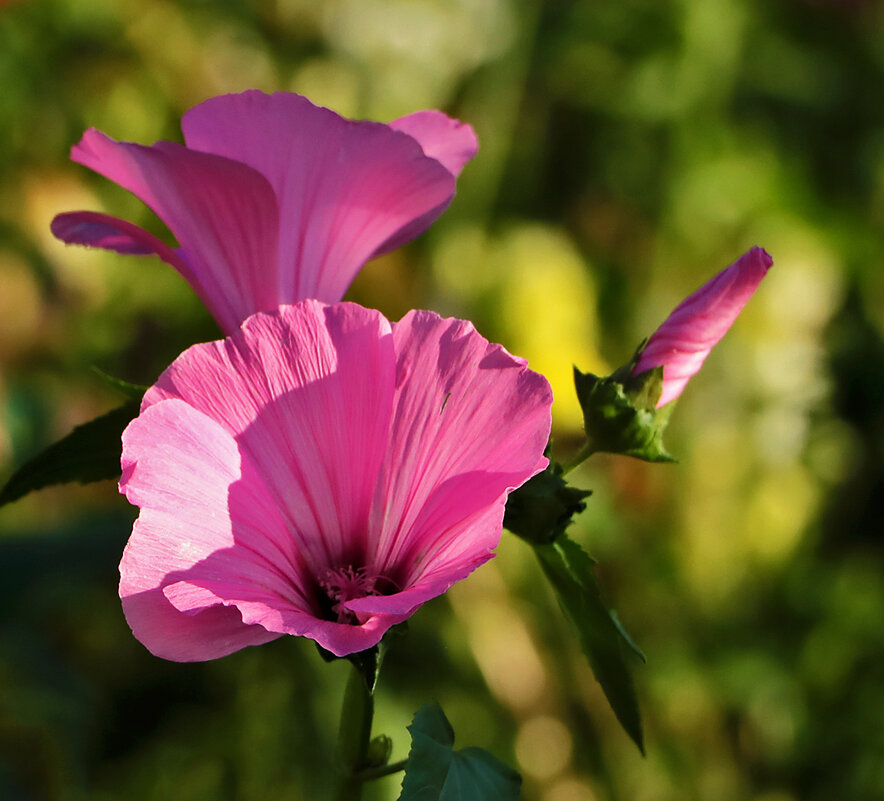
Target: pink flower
{"type": "Point", "coordinates": [321, 472]}
{"type": "Point", "coordinates": [683, 342]}
{"type": "Point", "coordinates": [274, 200]}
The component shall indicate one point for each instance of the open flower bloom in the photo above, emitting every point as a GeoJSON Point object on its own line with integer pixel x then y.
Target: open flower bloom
{"type": "Point", "coordinates": [273, 199]}
{"type": "Point", "coordinates": [696, 325]}
{"type": "Point", "coordinates": [321, 472]}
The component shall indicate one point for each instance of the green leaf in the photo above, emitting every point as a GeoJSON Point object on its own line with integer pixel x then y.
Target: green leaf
{"type": "Point", "coordinates": [126, 388]}
{"type": "Point", "coordinates": [569, 569]}
{"type": "Point", "coordinates": [436, 772]}
{"type": "Point", "coordinates": [91, 452]}
{"type": "Point", "coordinates": [543, 507]}
{"type": "Point", "coordinates": [620, 416]}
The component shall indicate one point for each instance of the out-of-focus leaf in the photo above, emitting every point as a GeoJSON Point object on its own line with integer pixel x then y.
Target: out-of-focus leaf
{"type": "Point", "coordinates": [91, 452]}
{"type": "Point", "coordinates": [569, 569]}
{"type": "Point", "coordinates": [619, 413]}
{"type": "Point", "coordinates": [543, 507]}
{"type": "Point", "coordinates": [436, 772]}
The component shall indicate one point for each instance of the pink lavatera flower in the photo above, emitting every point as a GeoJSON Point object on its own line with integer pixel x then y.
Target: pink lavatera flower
{"type": "Point", "coordinates": [323, 473]}
{"type": "Point", "coordinates": [685, 339]}
{"type": "Point", "coordinates": [273, 199]}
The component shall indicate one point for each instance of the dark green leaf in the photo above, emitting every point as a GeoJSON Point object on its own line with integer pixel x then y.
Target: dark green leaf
{"type": "Point", "coordinates": [619, 413]}
{"type": "Point", "coordinates": [543, 507]}
{"type": "Point", "coordinates": [91, 452]}
{"type": "Point", "coordinates": [569, 569]}
{"type": "Point", "coordinates": [627, 638]}
{"type": "Point", "coordinates": [436, 772]}
{"type": "Point", "coordinates": [129, 390]}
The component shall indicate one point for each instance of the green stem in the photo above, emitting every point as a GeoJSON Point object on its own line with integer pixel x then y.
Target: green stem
{"type": "Point", "coordinates": [383, 770]}
{"type": "Point", "coordinates": [353, 737]}
{"type": "Point", "coordinates": [582, 455]}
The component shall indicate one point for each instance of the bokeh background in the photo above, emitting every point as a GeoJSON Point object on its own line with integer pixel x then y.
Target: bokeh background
{"type": "Point", "coordinates": [629, 150]}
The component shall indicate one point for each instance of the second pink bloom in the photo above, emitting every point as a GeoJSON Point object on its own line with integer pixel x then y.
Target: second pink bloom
{"type": "Point", "coordinates": [273, 199]}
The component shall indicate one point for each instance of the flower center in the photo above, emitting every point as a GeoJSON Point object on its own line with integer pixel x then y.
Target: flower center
{"type": "Point", "coordinates": [343, 584]}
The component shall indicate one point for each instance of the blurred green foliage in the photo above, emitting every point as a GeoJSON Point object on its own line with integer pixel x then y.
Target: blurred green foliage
{"type": "Point", "coordinates": [629, 149]}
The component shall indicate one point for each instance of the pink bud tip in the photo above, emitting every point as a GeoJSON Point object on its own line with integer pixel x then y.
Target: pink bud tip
{"type": "Point", "coordinates": [683, 342]}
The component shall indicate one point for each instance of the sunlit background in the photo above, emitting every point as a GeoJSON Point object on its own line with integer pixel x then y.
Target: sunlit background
{"type": "Point", "coordinates": [629, 150]}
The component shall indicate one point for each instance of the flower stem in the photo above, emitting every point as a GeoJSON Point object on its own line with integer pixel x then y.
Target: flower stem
{"type": "Point", "coordinates": [353, 737]}
{"type": "Point", "coordinates": [383, 770]}
{"type": "Point", "coordinates": [582, 455]}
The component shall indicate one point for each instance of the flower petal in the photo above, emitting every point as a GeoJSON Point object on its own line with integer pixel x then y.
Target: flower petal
{"type": "Point", "coordinates": [470, 422]}
{"type": "Point", "coordinates": [451, 142]}
{"type": "Point", "coordinates": [306, 391]}
{"type": "Point", "coordinates": [272, 614]}
{"type": "Point", "coordinates": [344, 187]}
{"type": "Point", "coordinates": [682, 343]}
{"type": "Point", "coordinates": [461, 554]}
{"type": "Point", "coordinates": [179, 467]}
{"type": "Point", "coordinates": [223, 214]}
{"type": "Point", "coordinates": [92, 229]}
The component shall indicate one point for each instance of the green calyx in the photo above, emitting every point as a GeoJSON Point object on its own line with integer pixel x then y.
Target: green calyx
{"type": "Point", "coordinates": [620, 414]}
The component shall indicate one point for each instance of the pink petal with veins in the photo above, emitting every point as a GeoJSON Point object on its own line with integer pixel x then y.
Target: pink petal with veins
{"type": "Point", "coordinates": [682, 343]}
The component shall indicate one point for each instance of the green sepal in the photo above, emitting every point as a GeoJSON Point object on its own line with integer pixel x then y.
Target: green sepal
{"type": "Point", "coordinates": [544, 506]}
{"type": "Point", "coordinates": [91, 452]}
{"type": "Point", "coordinates": [368, 662]}
{"type": "Point", "coordinates": [619, 413]}
{"type": "Point", "coordinates": [569, 570]}
{"type": "Point", "coordinates": [436, 772]}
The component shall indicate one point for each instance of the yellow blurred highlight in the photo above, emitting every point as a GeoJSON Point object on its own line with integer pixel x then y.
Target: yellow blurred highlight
{"type": "Point", "coordinates": [547, 307]}
{"type": "Point", "coordinates": [569, 790]}
{"type": "Point", "coordinates": [21, 306]}
{"type": "Point", "coordinates": [503, 647]}
{"type": "Point", "coordinates": [543, 747]}
{"type": "Point", "coordinates": [44, 196]}
{"type": "Point", "coordinates": [541, 295]}
{"type": "Point", "coordinates": [778, 511]}
{"type": "Point", "coordinates": [805, 285]}
{"type": "Point", "coordinates": [506, 655]}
